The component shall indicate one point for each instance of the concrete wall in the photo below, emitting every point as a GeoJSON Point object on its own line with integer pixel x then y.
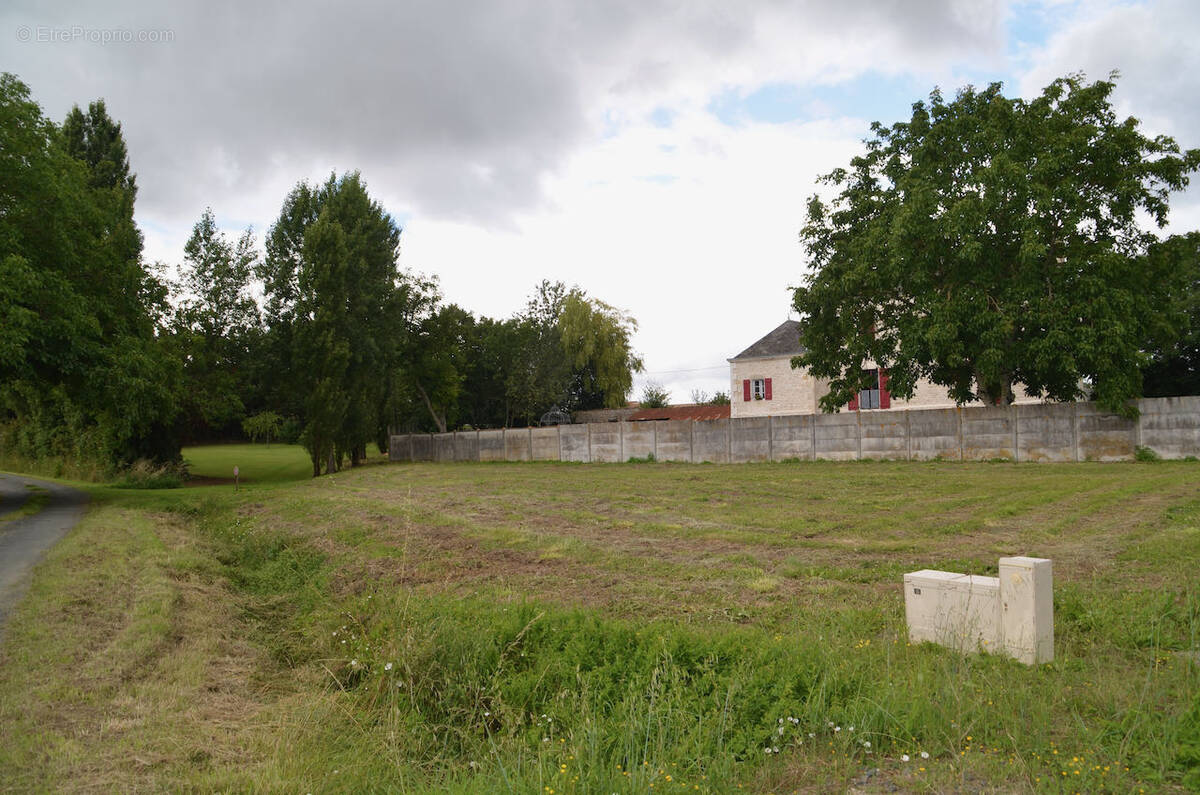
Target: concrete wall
{"type": "Point", "coordinates": [491, 446]}
{"type": "Point", "coordinates": [545, 443]}
{"type": "Point", "coordinates": [672, 440]}
{"type": "Point", "coordinates": [1170, 426]}
{"type": "Point", "coordinates": [792, 437]}
{"type": "Point", "coordinates": [1040, 432]}
{"type": "Point", "coordinates": [710, 441]}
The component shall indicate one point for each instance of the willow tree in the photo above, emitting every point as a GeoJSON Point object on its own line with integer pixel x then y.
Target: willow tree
{"type": "Point", "coordinates": [991, 241]}
{"type": "Point", "coordinates": [596, 339]}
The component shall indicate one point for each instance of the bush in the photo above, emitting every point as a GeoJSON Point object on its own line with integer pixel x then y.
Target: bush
{"type": "Point", "coordinates": [1142, 453]}
{"type": "Point", "coordinates": [145, 474]}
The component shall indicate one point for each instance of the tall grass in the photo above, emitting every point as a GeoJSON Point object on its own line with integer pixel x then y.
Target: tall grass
{"type": "Point", "coordinates": [466, 694]}
{"type": "Point", "coordinates": [387, 661]}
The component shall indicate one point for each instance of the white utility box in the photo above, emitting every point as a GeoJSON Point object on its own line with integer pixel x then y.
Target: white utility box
{"type": "Point", "coordinates": [1011, 614]}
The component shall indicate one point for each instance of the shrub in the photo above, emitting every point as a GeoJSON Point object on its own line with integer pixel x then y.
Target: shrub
{"type": "Point", "coordinates": [1142, 453]}
{"type": "Point", "coordinates": [145, 474]}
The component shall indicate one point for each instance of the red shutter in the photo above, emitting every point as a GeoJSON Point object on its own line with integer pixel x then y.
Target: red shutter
{"type": "Point", "coordinates": [767, 395]}
{"type": "Point", "coordinates": [853, 406]}
{"type": "Point", "coordinates": [885, 397]}
{"type": "Point", "coordinates": [746, 389]}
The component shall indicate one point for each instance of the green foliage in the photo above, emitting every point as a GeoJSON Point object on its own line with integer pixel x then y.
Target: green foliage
{"type": "Point", "coordinates": [564, 350]}
{"type": "Point", "coordinates": [1174, 366]}
{"type": "Point", "coordinates": [84, 376]}
{"type": "Point", "coordinates": [991, 241]}
{"type": "Point", "coordinates": [654, 396]}
{"type": "Point", "coordinates": [701, 398]}
{"type": "Point", "coordinates": [215, 329]}
{"type": "Point", "coordinates": [340, 315]}
{"type": "Point", "coordinates": [1144, 454]}
{"type": "Point", "coordinates": [143, 474]}
{"type": "Point", "coordinates": [596, 339]}
{"type": "Point", "coordinates": [262, 425]}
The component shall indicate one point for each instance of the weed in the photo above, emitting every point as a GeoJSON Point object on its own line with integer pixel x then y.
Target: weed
{"type": "Point", "coordinates": [143, 474]}
{"type": "Point", "coordinates": [1143, 453]}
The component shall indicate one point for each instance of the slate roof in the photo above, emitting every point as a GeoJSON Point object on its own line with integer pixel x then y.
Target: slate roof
{"type": "Point", "coordinates": [687, 412]}
{"type": "Point", "coordinates": [783, 341]}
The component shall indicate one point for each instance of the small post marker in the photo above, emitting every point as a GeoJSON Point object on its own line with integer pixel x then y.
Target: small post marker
{"type": "Point", "coordinates": [235, 477]}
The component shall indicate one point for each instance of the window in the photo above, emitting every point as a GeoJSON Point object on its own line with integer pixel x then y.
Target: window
{"type": "Point", "coordinates": [756, 389]}
{"type": "Point", "coordinates": [868, 398]}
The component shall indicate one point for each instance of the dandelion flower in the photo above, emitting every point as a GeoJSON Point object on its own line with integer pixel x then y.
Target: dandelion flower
{"type": "Point", "coordinates": [924, 754]}
{"type": "Point", "coordinates": [837, 728]}
{"type": "Point", "coordinates": [866, 743]}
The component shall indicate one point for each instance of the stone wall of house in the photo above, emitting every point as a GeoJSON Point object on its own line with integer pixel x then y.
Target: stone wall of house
{"type": "Point", "coordinates": [794, 391]}
{"type": "Point", "coordinates": [1030, 432]}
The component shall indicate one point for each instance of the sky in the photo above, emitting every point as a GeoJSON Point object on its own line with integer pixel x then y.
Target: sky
{"type": "Point", "coordinates": [658, 154]}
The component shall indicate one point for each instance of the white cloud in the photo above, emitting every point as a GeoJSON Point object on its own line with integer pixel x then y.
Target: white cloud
{"type": "Point", "coordinates": [1153, 46]}
{"type": "Point", "coordinates": [701, 261]}
{"type": "Point", "coordinates": [516, 138]}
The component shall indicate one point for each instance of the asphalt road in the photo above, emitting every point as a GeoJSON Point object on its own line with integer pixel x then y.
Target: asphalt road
{"type": "Point", "coordinates": [23, 541]}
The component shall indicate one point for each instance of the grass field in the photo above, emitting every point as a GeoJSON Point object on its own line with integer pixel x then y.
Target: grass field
{"type": "Point", "coordinates": [257, 463]}
{"type": "Point", "coordinates": [603, 628]}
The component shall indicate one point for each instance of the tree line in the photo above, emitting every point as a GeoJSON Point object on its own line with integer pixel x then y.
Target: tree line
{"type": "Point", "coordinates": [320, 338]}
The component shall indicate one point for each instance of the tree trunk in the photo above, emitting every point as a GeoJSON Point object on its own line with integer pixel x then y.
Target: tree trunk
{"type": "Point", "coordinates": [439, 421]}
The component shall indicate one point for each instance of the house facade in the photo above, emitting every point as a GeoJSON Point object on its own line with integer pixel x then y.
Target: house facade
{"type": "Point", "coordinates": [764, 383]}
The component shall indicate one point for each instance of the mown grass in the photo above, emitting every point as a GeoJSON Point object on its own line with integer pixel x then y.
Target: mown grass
{"type": "Point", "coordinates": [257, 463]}
{"type": "Point", "coordinates": [627, 628]}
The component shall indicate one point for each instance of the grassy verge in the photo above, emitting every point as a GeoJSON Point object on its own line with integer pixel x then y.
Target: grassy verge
{"type": "Point", "coordinates": [628, 628]}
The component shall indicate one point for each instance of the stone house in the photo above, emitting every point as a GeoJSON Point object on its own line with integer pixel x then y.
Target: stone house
{"type": "Point", "coordinates": [763, 383]}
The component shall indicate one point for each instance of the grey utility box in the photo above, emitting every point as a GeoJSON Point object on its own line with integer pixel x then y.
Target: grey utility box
{"type": "Point", "coordinates": [1011, 614]}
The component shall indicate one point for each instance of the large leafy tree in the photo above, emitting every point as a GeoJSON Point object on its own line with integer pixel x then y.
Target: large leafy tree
{"type": "Point", "coordinates": [337, 310]}
{"type": "Point", "coordinates": [439, 359]}
{"type": "Point", "coordinates": [991, 241]}
{"type": "Point", "coordinates": [596, 340]}
{"type": "Point", "coordinates": [83, 373]}
{"type": "Point", "coordinates": [216, 327]}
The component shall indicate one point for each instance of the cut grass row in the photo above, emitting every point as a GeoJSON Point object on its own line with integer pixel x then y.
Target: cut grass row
{"type": "Point", "coordinates": [581, 628]}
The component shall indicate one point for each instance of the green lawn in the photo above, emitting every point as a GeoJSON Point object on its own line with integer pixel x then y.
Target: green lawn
{"type": "Point", "coordinates": [256, 463]}
{"type": "Point", "coordinates": [604, 628]}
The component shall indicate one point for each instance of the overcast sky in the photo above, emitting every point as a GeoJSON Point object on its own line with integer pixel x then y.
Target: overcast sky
{"type": "Point", "coordinates": [657, 154]}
